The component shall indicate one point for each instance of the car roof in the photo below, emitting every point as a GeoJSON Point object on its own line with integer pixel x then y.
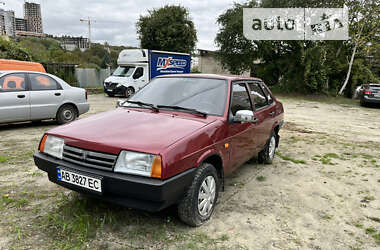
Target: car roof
{"type": "Point", "coordinates": [213, 76]}
{"type": "Point", "coordinates": [20, 71]}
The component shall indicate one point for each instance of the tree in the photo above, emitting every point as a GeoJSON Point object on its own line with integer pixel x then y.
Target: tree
{"type": "Point", "coordinates": [364, 26]}
{"type": "Point", "coordinates": [298, 66]}
{"type": "Point", "coordinates": [168, 28]}
{"type": "Point", "coordinates": [10, 50]}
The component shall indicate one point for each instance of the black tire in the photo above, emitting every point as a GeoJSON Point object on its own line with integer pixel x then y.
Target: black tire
{"type": "Point", "coordinates": [130, 91]}
{"type": "Point", "coordinates": [266, 156]}
{"type": "Point", "coordinates": [110, 95]}
{"type": "Point", "coordinates": [188, 210]}
{"type": "Point", "coordinates": [66, 113]}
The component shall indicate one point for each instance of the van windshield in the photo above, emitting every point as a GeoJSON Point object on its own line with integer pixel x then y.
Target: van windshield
{"type": "Point", "coordinates": [124, 71]}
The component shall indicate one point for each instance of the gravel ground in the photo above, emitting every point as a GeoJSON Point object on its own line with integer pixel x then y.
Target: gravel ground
{"type": "Point", "coordinates": [321, 192]}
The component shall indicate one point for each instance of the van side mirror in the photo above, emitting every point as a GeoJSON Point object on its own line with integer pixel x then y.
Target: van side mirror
{"type": "Point", "coordinates": [119, 103]}
{"type": "Point", "coordinates": [243, 116]}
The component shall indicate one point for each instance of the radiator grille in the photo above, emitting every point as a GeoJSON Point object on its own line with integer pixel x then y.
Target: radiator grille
{"type": "Point", "coordinates": [89, 159]}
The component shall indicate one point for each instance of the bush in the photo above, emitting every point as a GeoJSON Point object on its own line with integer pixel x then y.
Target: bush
{"type": "Point", "coordinates": [10, 50]}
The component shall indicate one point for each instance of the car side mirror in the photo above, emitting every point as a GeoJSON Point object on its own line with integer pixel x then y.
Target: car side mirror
{"type": "Point", "coordinates": [243, 116]}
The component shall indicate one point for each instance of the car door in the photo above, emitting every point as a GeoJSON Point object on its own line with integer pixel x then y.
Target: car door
{"type": "Point", "coordinates": [263, 112]}
{"type": "Point", "coordinates": [242, 136]}
{"type": "Point", "coordinates": [139, 78]}
{"type": "Point", "coordinates": [46, 96]}
{"type": "Point", "coordinates": [14, 98]}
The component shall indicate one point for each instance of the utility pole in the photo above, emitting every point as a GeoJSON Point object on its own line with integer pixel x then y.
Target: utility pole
{"type": "Point", "coordinates": [89, 29]}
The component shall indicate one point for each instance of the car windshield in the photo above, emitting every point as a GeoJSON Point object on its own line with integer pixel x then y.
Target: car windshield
{"type": "Point", "coordinates": [123, 71]}
{"type": "Point", "coordinates": [201, 94]}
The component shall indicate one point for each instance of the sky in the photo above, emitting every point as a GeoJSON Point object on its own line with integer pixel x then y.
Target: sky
{"type": "Point", "coordinates": [115, 20]}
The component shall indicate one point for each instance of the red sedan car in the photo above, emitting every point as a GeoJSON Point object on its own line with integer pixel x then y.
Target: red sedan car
{"type": "Point", "coordinates": [173, 142]}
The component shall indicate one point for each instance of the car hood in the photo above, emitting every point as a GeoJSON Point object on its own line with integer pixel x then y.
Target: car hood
{"type": "Point", "coordinates": [122, 128]}
{"type": "Point", "coordinates": [117, 79]}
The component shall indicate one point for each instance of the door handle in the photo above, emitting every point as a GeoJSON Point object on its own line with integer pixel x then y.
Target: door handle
{"type": "Point", "coordinates": [21, 96]}
{"type": "Point", "coordinates": [272, 113]}
{"type": "Point", "coordinates": [57, 94]}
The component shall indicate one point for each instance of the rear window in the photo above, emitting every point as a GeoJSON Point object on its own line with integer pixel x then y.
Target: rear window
{"type": "Point", "coordinates": [42, 82]}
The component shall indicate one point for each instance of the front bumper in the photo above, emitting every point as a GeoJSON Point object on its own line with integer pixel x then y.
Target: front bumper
{"type": "Point", "coordinates": [115, 90]}
{"type": "Point", "coordinates": [368, 99]}
{"type": "Point", "coordinates": [126, 190]}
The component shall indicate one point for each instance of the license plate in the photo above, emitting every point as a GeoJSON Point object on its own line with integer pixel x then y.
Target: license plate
{"type": "Point", "coordinates": [109, 90]}
{"type": "Point", "coordinates": [80, 180]}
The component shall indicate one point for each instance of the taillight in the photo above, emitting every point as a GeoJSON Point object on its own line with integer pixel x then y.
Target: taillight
{"type": "Point", "coordinates": [86, 95]}
{"type": "Point", "coordinates": [367, 92]}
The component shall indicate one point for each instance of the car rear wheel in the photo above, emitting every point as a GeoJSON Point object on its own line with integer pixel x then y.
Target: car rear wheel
{"type": "Point", "coordinates": [199, 202]}
{"type": "Point", "coordinates": [130, 91]}
{"type": "Point", "coordinates": [267, 154]}
{"type": "Point", "coordinates": [66, 113]}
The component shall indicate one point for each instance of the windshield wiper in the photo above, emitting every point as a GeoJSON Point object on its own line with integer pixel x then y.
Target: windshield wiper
{"type": "Point", "coordinates": [194, 111]}
{"type": "Point", "coordinates": [152, 106]}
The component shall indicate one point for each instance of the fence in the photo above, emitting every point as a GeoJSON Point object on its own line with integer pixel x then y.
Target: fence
{"type": "Point", "coordinates": [91, 77]}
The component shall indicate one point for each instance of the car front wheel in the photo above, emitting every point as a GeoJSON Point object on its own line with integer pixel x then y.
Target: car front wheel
{"type": "Point", "coordinates": [199, 202]}
{"type": "Point", "coordinates": [130, 91]}
{"type": "Point", "coordinates": [267, 154]}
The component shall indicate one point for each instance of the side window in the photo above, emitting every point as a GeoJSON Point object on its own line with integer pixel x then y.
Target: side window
{"type": "Point", "coordinates": [240, 98]}
{"type": "Point", "coordinates": [13, 82]}
{"type": "Point", "coordinates": [42, 82]}
{"type": "Point", "coordinates": [268, 95]}
{"type": "Point", "coordinates": [138, 73]}
{"type": "Point", "coordinates": [258, 95]}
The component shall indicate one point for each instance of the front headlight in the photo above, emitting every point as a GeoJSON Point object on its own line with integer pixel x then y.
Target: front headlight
{"type": "Point", "coordinates": [118, 85]}
{"type": "Point", "coordinates": [52, 145]}
{"type": "Point", "coordinates": [136, 163]}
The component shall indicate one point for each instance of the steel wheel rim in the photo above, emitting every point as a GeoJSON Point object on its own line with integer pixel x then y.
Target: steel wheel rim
{"type": "Point", "coordinates": [68, 115]}
{"type": "Point", "coordinates": [129, 92]}
{"type": "Point", "coordinates": [272, 146]}
{"type": "Point", "coordinates": [206, 196]}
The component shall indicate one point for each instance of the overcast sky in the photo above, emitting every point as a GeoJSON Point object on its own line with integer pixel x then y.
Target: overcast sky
{"type": "Point", "coordinates": [116, 19]}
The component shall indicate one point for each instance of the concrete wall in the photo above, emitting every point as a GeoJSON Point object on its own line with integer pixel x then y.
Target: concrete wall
{"type": "Point", "coordinates": [91, 77]}
{"type": "Point", "coordinates": [210, 65]}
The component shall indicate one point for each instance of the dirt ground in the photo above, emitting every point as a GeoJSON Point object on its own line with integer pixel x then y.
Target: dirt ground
{"type": "Point", "coordinates": [321, 192]}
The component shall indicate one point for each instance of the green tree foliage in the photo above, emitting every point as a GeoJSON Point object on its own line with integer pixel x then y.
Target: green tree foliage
{"type": "Point", "coordinates": [48, 50]}
{"type": "Point", "coordinates": [9, 50]}
{"type": "Point", "coordinates": [297, 66]}
{"type": "Point", "coordinates": [168, 28]}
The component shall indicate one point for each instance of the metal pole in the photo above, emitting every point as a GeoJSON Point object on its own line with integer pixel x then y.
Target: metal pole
{"type": "Point", "coordinates": [89, 32]}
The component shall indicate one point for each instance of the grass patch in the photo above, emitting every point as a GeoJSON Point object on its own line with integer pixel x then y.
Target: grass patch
{"type": "Point", "coordinates": [370, 230]}
{"type": "Point", "coordinates": [326, 217]}
{"type": "Point", "coordinates": [331, 155]}
{"type": "Point", "coordinates": [367, 156]}
{"type": "Point", "coordinates": [288, 158]}
{"type": "Point", "coordinates": [377, 238]}
{"type": "Point", "coordinates": [261, 178]}
{"type": "Point", "coordinates": [358, 225]}
{"type": "Point", "coordinates": [76, 220]}
{"type": "Point", "coordinates": [369, 198]}
{"type": "Point", "coordinates": [3, 158]}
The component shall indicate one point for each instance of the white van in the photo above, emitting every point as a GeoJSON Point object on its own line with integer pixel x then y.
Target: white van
{"type": "Point", "coordinates": [138, 66]}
